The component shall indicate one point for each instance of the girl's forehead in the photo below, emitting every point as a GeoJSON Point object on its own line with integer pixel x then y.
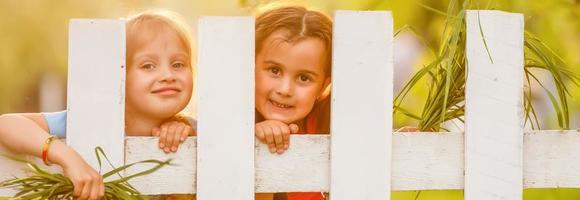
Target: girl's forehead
{"type": "Point", "coordinates": [307, 54]}
{"type": "Point", "coordinates": [142, 36]}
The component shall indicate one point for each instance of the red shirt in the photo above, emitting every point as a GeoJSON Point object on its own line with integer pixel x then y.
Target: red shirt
{"type": "Point", "coordinates": [317, 122]}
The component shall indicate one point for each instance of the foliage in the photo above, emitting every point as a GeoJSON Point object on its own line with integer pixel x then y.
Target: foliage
{"type": "Point", "coordinates": [446, 75]}
{"type": "Point", "coordinates": [42, 184]}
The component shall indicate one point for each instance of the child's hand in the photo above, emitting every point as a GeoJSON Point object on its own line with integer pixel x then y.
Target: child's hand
{"type": "Point", "coordinates": [87, 183]}
{"type": "Point", "coordinates": [172, 134]}
{"type": "Point", "coordinates": [275, 134]}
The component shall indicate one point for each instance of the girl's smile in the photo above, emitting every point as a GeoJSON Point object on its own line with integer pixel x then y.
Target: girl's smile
{"type": "Point", "coordinates": [167, 91]}
{"type": "Point", "coordinates": [280, 105]}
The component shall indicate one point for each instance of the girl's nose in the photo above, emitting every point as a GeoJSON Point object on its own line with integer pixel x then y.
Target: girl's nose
{"type": "Point", "coordinates": [167, 74]}
{"type": "Point", "coordinates": [284, 88]}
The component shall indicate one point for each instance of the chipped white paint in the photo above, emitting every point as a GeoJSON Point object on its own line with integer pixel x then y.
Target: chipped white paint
{"type": "Point", "coordinates": [421, 161]}
{"type": "Point", "coordinates": [96, 79]}
{"type": "Point", "coordinates": [494, 109]}
{"type": "Point", "coordinates": [362, 94]}
{"type": "Point", "coordinates": [225, 82]}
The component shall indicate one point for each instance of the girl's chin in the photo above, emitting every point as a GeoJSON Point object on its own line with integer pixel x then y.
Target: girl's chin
{"type": "Point", "coordinates": [165, 113]}
{"type": "Point", "coordinates": [282, 118]}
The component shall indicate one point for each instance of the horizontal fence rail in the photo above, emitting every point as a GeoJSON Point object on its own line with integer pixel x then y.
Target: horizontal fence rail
{"type": "Point", "coordinates": [421, 161]}
{"type": "Point", "coordinates": [361, 158]}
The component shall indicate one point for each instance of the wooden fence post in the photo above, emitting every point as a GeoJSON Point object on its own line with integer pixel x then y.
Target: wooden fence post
{"type": "Point", "coordinates": [362, 96]}
{"type": "Point", "coordinates": [494, 111]}
{"type": "Point", "coordinates": [225, 86]}
{"type": "Point", "coordinates": [96, 89]}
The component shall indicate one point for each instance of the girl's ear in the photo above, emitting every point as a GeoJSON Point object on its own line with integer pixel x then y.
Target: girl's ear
{"type": "Point", "coordinates": [325, 91]}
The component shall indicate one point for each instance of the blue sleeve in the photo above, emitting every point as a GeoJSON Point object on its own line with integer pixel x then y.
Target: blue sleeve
{"type": "Point", "coordinates": [56, 123]}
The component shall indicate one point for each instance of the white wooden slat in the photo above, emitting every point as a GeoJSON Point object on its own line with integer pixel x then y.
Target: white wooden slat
{"type": "Point", "coordinates": [96, 78]}
{"type": "Point", "coordinates": [361, 117]}
{"type": "Point", "coordinates": [494, 110]}
{"type": "Point", "coordinates": [177, 178]}
{"type": "Point", "coordinates": [225, 86]}
{"type": "Point", "coordinates": [421, 161]}
{"type": "Point", "coordinates": [551, 159]}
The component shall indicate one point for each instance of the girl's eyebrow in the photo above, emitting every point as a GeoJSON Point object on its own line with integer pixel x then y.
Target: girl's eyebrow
{"type": "Point", "coordinates": [273, 62]}
{"type": "Point", "coordinates": [179, 56]}
{"type": "Point", "coordinates": [312, 73]}
{"type": "Point", "coordinates": [145, 55]}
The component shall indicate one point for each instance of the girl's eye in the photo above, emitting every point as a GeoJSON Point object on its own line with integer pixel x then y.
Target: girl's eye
{"type": "Point", "coordinates": [304, 78]}
{"type": "Point", "coordinates": [275, 70]}
{"type": "Point", "coordinates": [178, 65]}
{"type": "Point", "coordinates": [148, 66]}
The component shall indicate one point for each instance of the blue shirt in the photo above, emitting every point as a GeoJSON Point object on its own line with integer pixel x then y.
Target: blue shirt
{"type": "Point", "coordinates": [56, 123]}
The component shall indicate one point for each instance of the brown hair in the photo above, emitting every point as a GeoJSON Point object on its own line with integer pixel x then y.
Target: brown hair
{"type": "Point", "coordinates": [301, 24]}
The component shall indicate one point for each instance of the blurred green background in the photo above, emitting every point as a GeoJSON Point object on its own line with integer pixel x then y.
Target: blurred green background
{"type": "Point", "coordinates": [33, 48]}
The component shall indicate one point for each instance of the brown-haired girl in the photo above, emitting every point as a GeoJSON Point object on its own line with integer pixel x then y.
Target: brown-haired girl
{"type": "Point", "coordinates": [293, 56]}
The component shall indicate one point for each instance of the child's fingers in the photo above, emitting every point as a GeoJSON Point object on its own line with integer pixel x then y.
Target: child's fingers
{"type": "Point", "coordinates": [155, 131]}
{"type": "Point", "coordinates": [162, 136]}
{"type": "Point", "coordinates": [269, 135]}
{"type": "Point", "coordinates": [285, 136]}
{"type": "Point", "coordinates": [278, 139]}
{"type": "Point", "coordinates": [96, 185]}
{"type": "Point", "coordinates": [101, 190]}
{"type": "Point", "coordinates": [176, 137]}
{"type": "Point", "coordinates": [77, 188]}
{"type": "Point", "coordinates": [294, 128]}
{"type": "Point", "coordinates": [169, 138]}
{"type": "Point", "coordinates": [186, 132]}
{"type": "Point", "coordinates": [86, 190]}
{"type": "Point", "coordinates": [260, 134]}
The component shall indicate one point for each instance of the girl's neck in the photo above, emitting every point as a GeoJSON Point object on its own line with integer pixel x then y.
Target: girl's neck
{"type": "Point", "coordinates": [140, 126]}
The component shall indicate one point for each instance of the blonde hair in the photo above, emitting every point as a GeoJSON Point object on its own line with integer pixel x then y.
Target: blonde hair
{"type": "Point", "coordinates": [169, 19]}
{"type": "Point", "coordinates": [301, 24]}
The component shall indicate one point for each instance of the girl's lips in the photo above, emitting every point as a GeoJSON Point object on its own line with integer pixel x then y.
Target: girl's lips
{"type": "Point", "coordinates": [280, 105]}
{"type": "Point", "coordinates": [166, 91]}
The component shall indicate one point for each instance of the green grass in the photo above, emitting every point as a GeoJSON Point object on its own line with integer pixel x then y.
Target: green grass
{"type": "Point", "coordinates": [41, 184]}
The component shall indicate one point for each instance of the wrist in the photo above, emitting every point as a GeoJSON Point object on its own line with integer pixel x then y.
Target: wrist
{"type": "Point", "coordinates": [61, 154]}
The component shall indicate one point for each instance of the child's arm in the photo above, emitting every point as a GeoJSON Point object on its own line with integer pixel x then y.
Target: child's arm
{"type": "Point", "coordinates": [172, 134]}
{"type": "Point", "coordinates": [275, 134]}
{"type": "Point", "coordinates": [26, 134]}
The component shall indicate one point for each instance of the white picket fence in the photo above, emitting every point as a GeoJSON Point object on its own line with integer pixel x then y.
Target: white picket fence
{"type": "Point", "coordinates": [494, 159]}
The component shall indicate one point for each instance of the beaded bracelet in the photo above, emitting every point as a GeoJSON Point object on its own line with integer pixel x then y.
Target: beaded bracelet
{"type": "Point", "coordinates": [45, 149]}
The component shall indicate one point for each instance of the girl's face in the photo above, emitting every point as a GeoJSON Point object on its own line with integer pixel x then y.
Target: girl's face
{"type": "Point", "coordinates": [159, 76]}
{"type": "Point", "coordinates": [289, 77]}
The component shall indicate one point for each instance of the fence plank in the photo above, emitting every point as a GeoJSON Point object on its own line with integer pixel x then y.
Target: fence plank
{"type": "Point", "coordinates": [96, 78]}
{"type": "Point", "coordinates": [225, 108]}
{"type": "Point", "coordinates": [494, 115]}
{"type": "Point", "coordinates": [361, 114]}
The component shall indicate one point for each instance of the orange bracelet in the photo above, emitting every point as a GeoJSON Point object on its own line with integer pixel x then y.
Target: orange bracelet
{"type": "Point", "coordinates": [45, 149]}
